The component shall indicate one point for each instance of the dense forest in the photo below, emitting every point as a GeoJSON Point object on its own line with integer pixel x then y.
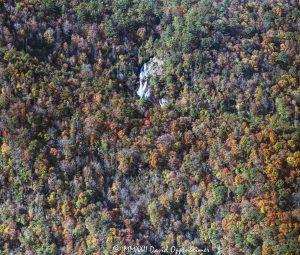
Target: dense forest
{"type": "Point", "coordinates": [86, 165]}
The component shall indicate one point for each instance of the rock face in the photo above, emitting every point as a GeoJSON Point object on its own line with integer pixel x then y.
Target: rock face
{"type": "Point", "coordinates": [163, 101]}
{"type": "Point", "coordinates": [152, 68]}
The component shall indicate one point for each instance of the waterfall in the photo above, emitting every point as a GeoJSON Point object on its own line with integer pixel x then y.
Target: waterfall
{"type": "Point", "coordinates": [144, 90]}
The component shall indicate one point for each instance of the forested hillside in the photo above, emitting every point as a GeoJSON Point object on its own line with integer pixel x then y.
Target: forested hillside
{"type": "Point", "coordinates": [86, 165]}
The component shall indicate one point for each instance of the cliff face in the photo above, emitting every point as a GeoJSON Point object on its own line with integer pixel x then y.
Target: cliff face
{"type": "Point", "coordinates": [150, 69]}
{"type": "Point", "coordinates": [89, 158]}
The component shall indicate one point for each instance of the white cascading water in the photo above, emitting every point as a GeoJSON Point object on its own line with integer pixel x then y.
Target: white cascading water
{"type": "Point", "coordinates": [143, 90]}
